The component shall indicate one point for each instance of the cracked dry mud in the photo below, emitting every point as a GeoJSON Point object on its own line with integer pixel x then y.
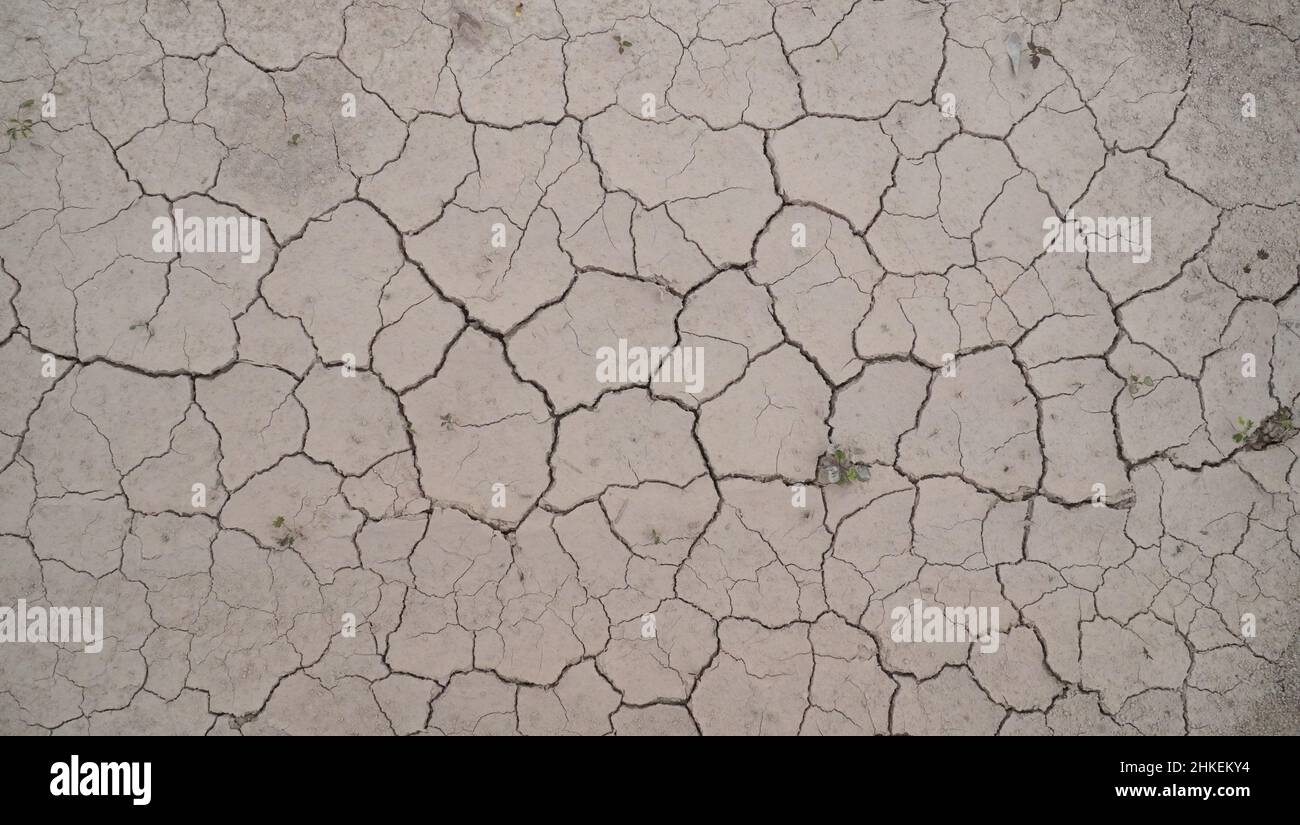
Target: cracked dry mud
{"type": "Point", "coordinates": [350, 400]}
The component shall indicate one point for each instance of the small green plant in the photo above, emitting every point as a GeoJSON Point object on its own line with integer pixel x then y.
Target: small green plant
{"type": "Point", "coordinates": [654, 536]}
{"type": "Point", "coordinates": [838, 467]}
{"type": "Point", "coordinates": [1281, 420]}
{"type": "Point", "coordinates": [1135, 384]}
{"type": "Point", "coordinates": [1242, 429]}
{"type": "Point", "coordinates": [289, 536]}
{"type": "Point", "coordinates": [449, 421]}
{"type": "Point", "coordinates": [1274, 429]}
{"type": "Point", "coordinates": [21, 126]}
{"type": "Point", "coordinates": [295, 140]}
{"type": "Point", "coordinates": [622, 44]}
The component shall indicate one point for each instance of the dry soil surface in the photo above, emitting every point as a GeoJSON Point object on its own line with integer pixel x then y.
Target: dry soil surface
{"type": "Point", "coordinates": [371, 471]}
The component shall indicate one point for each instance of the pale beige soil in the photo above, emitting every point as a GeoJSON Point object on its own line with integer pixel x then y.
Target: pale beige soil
{"type": "Point", "coordinates": [395, 420]}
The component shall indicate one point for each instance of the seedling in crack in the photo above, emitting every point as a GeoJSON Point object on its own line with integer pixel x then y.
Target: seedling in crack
{"type": "Point", "coordinates": [289, 535]}
{"type": "Point", "coordinates": [838, 467]}
{"type": "Point", "coordinates": [1135, 384]}
{"type": "Point", "coordinates": [1016, 47]}
{"type": "Point", "coordinates": [622, 44]}
{"type": "Point", "coordinates": [655, 537]}
{"type": "Point", "coordinates": [1274, 429]}
{"type": "Point", "coordinates": [21, 126]}
{"type": "Point", "coordinates": [449, 421]}
{"type": "Point", "coordinates": [1036, 52]}
{"type": "Point", "coordinates": [1242, 428]}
